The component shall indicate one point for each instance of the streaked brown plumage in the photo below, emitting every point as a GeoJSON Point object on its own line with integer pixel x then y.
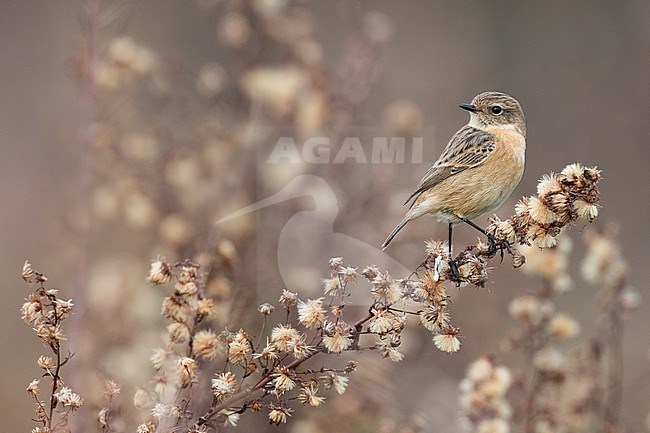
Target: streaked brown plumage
{"type": "Point", "coordinates": [478, 170]}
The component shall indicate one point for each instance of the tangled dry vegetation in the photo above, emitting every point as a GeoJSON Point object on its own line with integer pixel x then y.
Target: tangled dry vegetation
{"type": "Point", "coordinates": [283, 364]}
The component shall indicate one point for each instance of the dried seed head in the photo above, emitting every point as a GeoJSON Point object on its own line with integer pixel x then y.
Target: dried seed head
{"type": "Point", "coordinates": [539, 212]}
{"type": "Point", "coordinates": [308, 396]}
{"type": "Point", "coordinates": [387, 350]}
{"type": "Point", "coordinates": [351, 366]}
{"type": "Point", "coordinates": [239, 348]}
{"type": "Point", "coordinates": [549, 184]}
{"type": "Point", "coordinates": [33, 389]}
{"type": "Point", "coordinates": [348, 274]}
{"type": "Point", "coordinates": [336, 381]}
{"type": "Point", "coordinates": [288, 299]}
{"type": "Point", "coordinates": [338, 340]}
{"type": "Point", "coordinates": [335, 264]}
{"type": "Point", "coordinates": [46, 363]}
{"type": "Point", "coordinates": [178, 332]}
{"type": "Point", "coordinates": [585, 210]}
{"type": "Point", "coordinates": [284, 337]}
{"type": "Point", "coordinates": [311, 313]}
{"type": "Point", "coordinates": [186, 370]}
{"type": "Point", "coordinates": [381, 321]}
{"type": "Point", "coordinates": [223, 384]}
{"type": "Point", "coordinates": [284, 379]}
{"type": "Point", "coordinates": [447, 342]}
{"type": "Point", "coordinates": [370, 272]}
{"type": "Point", "coordinates": [160, 273]}
{"type": "Point", "coordinates": [559, 204]}
{"type": "Point", "coordinates": [385, 289]}
{"type": "Point", "coordinates": [332, 286]}
{"type": "Point", "coordinates": [278, 414]}
{"type": "Point", "coordinates": [28, 273]}
{"type": "Point", "coordinates": [562, 326]}
{"type": "Point", "coordinates": [206, 344]}
{"type": "Point", "coordinates": [573, 175]}
{"type": "Point", "coordinates": [266, 309]}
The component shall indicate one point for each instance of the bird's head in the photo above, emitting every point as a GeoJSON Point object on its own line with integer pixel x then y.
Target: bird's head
{"type": "Point", "coordinates": [489, 109]}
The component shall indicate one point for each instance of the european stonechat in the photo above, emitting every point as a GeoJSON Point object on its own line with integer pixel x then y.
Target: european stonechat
{"type": "Point", "coordinates": [478, 170]}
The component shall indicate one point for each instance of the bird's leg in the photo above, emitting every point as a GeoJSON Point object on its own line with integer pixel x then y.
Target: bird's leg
{"type": "Point", "coordinates": [492, 245]}
{"type": "Point", "coordinates": [452, 262]}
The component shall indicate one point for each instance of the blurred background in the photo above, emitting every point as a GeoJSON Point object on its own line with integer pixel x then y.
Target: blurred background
{"type": "Point", "coordinates": [129, 128]}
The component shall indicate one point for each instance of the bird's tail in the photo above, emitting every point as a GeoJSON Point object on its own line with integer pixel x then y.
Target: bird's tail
{"type": "Point", "coordinates": [399, 227]}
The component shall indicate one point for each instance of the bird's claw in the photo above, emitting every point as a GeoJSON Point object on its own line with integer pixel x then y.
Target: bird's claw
{"type": "Point", "coordinates": [454, 270]}
{"type": "Point", "coordinates": [493, 247]}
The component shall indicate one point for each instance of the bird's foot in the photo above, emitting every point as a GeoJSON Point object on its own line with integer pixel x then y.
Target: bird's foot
{"type": "Point", "coordinates": [493, 247]}
{"type": "Point", "coordinates": [454, 270]}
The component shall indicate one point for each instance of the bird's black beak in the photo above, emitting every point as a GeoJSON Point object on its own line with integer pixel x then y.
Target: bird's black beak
{"type": "Point", "coordinates": [469, 107]}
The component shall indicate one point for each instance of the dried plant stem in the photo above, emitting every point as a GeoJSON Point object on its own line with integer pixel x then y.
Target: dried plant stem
{"type": "Point", "coordinates": [537, 339]}
{"type": "Point", "coordinates": [246, 392]}
{"type": "Point", "coordinates": [614, 376]}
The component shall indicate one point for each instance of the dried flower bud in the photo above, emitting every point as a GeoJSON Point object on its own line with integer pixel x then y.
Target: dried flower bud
{"type": "Point", "coordinates": [186, 369]}
{"type": "Point", "coordinates": [447, 342]}
{"type": "Point", "coordinates": [205, 307]}
{"type": "Point", "coordinates": [278, 414]}
{"type": "Point", "coordinates": [284, 337]}
{"type": "Point", "coordinates": [539, 212]}
{"type": "Point", "coordinates": [28, 273]}
{"type": "Point", "coordinates": [33, 388]}
{"type": "Point", "coordinates": [205, 344]}
{"type": "Point", "coordinates": [385, 289]}
{"type": "Point", "coordinates": [348, 274]}
{"type": "Point", "coordinates": [563, 326]}
{"type": "Point", "coordinates": [387, 350]}
{"type": "Point", "coordinates": [381, 321]}
{"type": "Point", "coordinates": [332, 286]}
{"type": "Point", "coordinates": [178, 332]}
{"type": "Point", "coordinates": [338, 339]}
{"type": "Point", "coordinates": [518, 259]}
{"type": "Point", "coordinates": [266, 309]}
{"type": "Point", "coordinates": [223, 385]}
{"type": "Point", "coordinates": [549, 184]}
{"type": "Point", "coordinates": [187, 288]}
{"type": "Point", "coordinates": [160, 273]}
{"type": "Point", "coordinates": [46, 363]}
{"type": "Point", "coordinates": [351, 366]}
{"type": "Point", "coordinates": [284, 379]}
{"type": "Point", "coordinates": [288, 299]}
{"type": "Point", "coordinates": [311, 313]}
{"type": "Point", "coordinates": [335, 264]}
{"type": "Point", "coordinates": [370, 272]}
{"type": "Point", "coordinates": [69, 399]}
{"type": "Point", "coordinates": [585, 210]}
{"type": "Point", "coordinates": [308, 396]}
{"type": "Point", "coordinates": [239, 348]}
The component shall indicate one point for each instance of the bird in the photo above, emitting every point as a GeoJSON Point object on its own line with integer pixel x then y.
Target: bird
{"type": "Point", "coordinates": [478, 169]}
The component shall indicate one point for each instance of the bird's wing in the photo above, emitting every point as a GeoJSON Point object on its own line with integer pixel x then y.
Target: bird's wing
{"type": "Point", "coordinates": [468, 148]}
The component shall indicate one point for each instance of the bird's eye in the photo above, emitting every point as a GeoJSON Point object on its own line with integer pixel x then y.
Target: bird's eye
{"type": "Point", "coordinates": [496, 110]}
